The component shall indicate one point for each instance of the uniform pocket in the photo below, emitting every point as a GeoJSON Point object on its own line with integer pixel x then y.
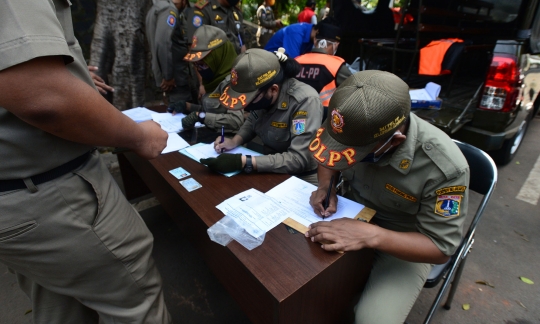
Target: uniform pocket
{"type": "Point", "coordinates": [17, 230]}
{"type": "Point", "coordinates": [279, 135]}
{"type": "Point", "coordinates": [404, 204]}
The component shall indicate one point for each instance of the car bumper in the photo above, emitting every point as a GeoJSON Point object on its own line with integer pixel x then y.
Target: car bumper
{"type": "Point", "coordinates": [484, 140]}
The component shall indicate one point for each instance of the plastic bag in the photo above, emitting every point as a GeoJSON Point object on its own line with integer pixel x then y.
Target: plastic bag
{"type": "Point", "coordinates": [355, 65]}
{"type": "Point", "coordinates": [226, 229]}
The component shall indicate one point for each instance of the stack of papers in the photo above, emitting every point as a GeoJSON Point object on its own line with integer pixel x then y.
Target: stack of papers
{"type": "Point", "coordinates": [139, 114]}
{"type": "Point", "coordinates": [204, 151]}
{"type": "Point", "coordinates": [169, 122]}
{"type": "Point", "coordinates": [258, 213]}
{"type": "Point", "coordinates": [427, 97]}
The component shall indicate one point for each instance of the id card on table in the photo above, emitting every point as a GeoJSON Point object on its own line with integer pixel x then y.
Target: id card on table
{"type": "Point", "coordinates": [190, 184]}
{"type": "Point", "coordinates": [179, 173]}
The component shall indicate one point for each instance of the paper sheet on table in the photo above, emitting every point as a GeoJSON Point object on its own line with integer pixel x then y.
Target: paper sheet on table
{"type": "Point", "coordinates": [256, 212]}
{"type": "Point", "coordinates": [294, 194]}
{"type": "Point", "coordinates": [430, 92]}
{"type": "Point", "coordinates": [139, 114]}
{"type": "Point", "coordinates": [203, 151]}
{"type": "Point", "coordinates": [174, 143]}
{"type": "Point", "coordinates": [168, 122]}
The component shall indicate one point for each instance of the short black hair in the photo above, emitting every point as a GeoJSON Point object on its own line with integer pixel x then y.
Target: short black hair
{"type": "Point", "coordinates": [310, 3]}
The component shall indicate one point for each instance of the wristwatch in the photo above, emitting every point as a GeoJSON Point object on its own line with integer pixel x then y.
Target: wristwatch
{"type": "Point", "coordinates": [202, 114]}
{"type": "Point", "coordinates": [248, 168]}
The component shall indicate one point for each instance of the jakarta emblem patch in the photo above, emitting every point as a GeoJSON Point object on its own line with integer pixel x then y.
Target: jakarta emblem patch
{"type": "Point", "coordinates": [299, 126]}
{"type": "Point", "coordinates": [448, 205]}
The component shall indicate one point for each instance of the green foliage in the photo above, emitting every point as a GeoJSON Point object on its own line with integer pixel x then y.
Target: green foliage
{"type": "Point", "coordinates": [286, 10]}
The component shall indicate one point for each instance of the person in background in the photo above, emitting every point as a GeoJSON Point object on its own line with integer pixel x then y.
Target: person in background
{"type": "Point", "coordinates": [80, 251]}
{"type": "Point", "coordinates": [324, 12]}
{"type": "Point", "coordinates": [284, 113]}
{"type": "Point", "coordinates": [213, 56]}
{"type": "Point", "coordinates": [406, 169]}
{"type": "Point", "coordinates": [102, 87]}
{"type": "Point", "coordinates": [320, 68]}
{"type": "Point", "coordinates": [297, 39]}
{"type": "Point", "coordinates": [267, 23]}
{"type": "Point", "coordinates": [308, 14]}
{"type": "Point", "coordinates": [224, 14]}
{"type": "Point", "coordinates": [160, 22]}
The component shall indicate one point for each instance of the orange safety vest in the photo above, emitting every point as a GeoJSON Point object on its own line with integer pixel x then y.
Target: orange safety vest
{"type": "Point", "coordinates": [432, 55]}
{"type": "Point", "coordinates": [320, 71]}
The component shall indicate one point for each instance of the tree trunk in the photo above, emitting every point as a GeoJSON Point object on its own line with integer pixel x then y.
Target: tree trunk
{"type": "Point", "coordinates": [119, 49]}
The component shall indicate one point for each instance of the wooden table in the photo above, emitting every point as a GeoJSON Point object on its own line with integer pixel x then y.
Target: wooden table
{"type": "Point", "coordinates": [288, 279]}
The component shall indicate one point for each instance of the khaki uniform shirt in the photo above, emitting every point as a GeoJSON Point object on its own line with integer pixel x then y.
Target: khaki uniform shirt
{"type": "Point", "coordinates": [421, 187]}
{"type": "Point", "coordinates": [286, 129]}
{"type": "Point", "coordinates": [212, 13]}
{"type": "Point", "coordinates": [46, 30]}
{"type": "Point", "coordinates": [160, 22]}
{"type": "Point", "coordinates": [218, 115]}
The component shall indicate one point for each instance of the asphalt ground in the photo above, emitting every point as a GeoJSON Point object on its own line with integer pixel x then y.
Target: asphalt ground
{"type": "Point", "coordinates": [506, 247]}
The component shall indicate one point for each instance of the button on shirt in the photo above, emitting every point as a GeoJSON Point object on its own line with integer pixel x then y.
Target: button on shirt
{"type": "Point", "coordinates": [410, 187]}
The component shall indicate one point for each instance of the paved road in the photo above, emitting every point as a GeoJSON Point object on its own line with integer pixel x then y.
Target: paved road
{"type": "Point", "coordinates": [507, 246]}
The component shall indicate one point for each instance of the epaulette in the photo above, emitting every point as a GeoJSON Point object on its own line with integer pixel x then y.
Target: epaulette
{"type": "Point", "coordinates": [201, 3]}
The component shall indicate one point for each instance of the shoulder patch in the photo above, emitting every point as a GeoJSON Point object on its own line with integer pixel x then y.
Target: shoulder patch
{"type": "Point", "coordinates": [201, 3]}
{"type": "Point", "coordinates": [299, 126]}
{"type": "Point", "coordinates": [171, 20]}
{"type": "Point", "coordinates": [448, 205]}
{"type": "Point", "coordinates": [298, 113]}
{"type": "Point", "coordinates": [446, 190]}
{"type": "Point", "coordinates": [197, 21]}
{"type": "Point", "coordinates": [400, 193]}
{"type": "Point", "coordinates": [278, 124]}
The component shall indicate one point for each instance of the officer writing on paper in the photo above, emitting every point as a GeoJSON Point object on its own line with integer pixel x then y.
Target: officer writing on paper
{"type": "Point", "coordinates": [284, 113]}
{"type": "Point", "coordinates": [407, 170]}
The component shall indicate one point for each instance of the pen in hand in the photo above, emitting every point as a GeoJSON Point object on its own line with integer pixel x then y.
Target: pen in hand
{"type": "Point", "coordinates": [327, 200]}
{"type": "Point", "coordinates": [222, 136]}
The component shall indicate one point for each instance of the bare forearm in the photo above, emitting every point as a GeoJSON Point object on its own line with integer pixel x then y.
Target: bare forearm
{"type": "Point", "coordinates": [43, 93]}
{"type": "Point", "coordinates": [408, 246]}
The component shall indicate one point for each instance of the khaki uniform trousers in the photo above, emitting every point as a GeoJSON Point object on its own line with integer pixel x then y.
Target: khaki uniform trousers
{"type": "Point", "coordinates": [81, 251]}
{"type": "Point", "coordinates": [391, 282]}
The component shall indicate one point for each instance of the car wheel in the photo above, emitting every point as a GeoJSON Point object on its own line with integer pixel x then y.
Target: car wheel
{"type": "Point", "coordinates": [510, 146]}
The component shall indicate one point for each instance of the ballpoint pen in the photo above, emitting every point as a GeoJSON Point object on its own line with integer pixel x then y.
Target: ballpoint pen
{"type": "Point", "coordinates": [327, 200]}
{"type": "Point", "coordinates": [222, 136]}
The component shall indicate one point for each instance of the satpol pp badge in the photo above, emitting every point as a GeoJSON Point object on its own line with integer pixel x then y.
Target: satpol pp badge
{"type": "Point", "coordinates": [448, 205]}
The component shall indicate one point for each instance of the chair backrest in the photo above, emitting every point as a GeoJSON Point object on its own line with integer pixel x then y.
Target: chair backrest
{"type": "Point", "coordinates": [483, 179]}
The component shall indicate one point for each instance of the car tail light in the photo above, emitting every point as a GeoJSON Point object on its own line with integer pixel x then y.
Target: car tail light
{"type": "Point", "coordinates": [502, 84]}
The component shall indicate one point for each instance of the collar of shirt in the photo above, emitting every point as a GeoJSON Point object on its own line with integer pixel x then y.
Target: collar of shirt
{"type": "Point", "coordinates": [406, 150]}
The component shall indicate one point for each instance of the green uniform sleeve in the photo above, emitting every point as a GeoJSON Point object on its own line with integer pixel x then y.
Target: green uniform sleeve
{"type": "Point", "coordinates": [443, 211]}
{"type": "Point", "coordinates": [297, 158]}
{"type": "Point", "coordinates": [343, 74]}
{"type": "Point", "coordinates": [163, 44]}
{"type": "Point", "coordinates": [246, 130]}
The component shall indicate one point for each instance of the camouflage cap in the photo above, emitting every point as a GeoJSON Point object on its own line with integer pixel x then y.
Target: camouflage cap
{"type": "Point", "coordinates": [251, 71]}
{"type": "Point", "coordinates": [365, 109]}
{"type": "Point", "coordinates": [205, 39]}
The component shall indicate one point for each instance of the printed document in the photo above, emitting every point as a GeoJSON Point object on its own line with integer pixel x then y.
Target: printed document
{"type": "Point", "coordinates": [139, 114]}
{"type": "Point", "coordinates": [294, 193]}
{"type": "Point", "coordinates": [168, 122]}
{"type": "Point", "coordinates": [174, 143]}
{"type": "Point", "coordinates": [256, 212]}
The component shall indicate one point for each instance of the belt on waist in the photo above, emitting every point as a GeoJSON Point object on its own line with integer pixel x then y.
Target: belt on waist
{"type": "Point", "coordinates": [15, 184]}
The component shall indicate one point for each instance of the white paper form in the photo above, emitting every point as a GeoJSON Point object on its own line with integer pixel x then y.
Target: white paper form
{"type": "Point", "coordinates": [430, 92]}
{"type": "Point", "coordinates": [254, 211]}
{"type": "Point", "coordinates": [174, 143]}
{"type": "Point", "coordinates": [139, 114]}
{"type": "Point", "coordinates": [168, 122]}
{"type": "Point", "coordinates": [294, 193]}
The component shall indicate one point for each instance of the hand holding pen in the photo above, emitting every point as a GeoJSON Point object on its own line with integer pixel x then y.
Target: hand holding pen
{"type": "Point", "coordinates": [326, 202]}
{"type": "Point", "coordinates": [222, 137]}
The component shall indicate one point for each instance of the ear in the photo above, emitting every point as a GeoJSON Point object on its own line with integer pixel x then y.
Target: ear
{"type": "Point", "coordinates": [398, 139]}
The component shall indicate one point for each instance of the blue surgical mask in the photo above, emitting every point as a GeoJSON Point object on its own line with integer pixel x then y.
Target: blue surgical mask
{"type": "Point", "coordinates": [371, 158]}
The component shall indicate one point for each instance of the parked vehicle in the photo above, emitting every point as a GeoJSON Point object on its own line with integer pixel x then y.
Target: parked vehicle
{"type": "Point", "coordinates": [492, 92]}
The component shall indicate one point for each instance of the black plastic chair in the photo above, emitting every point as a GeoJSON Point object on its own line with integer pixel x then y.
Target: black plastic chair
{"type": "Point", "coordinates": [483, 178]}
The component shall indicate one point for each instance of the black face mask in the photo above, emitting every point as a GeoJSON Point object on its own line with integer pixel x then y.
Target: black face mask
{"type": "Point", "coordinates": [263, 103]}
{"type": "Point", "coordinates": [205, 71]}
{"type": "Point", "coordinates": [232, 3]}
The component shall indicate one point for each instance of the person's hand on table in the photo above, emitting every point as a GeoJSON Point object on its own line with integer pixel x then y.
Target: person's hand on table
{"type": "Point", "coordinates": [180, 106]}
{"type": "Point", "coordinates": [98, 81]}
{"type": "Point", "coordinates": [167, 85]}
{"type": "Point", "coordinates": [154, 140]}
{"type": "Point", "coordinates": [227, 145]}
{"type": "Point", "coordinates": [190, 120]}
{"type": "Point", "coordinates": [317, 199]}
{"type": "Point", "coordinates": [224, 163]}
{"type": "Point", "coordinates": [343, 234]}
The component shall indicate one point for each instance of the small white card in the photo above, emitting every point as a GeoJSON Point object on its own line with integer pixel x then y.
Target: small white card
{"type": "Point", "coordinates": [190, 184]}
{"type": "Point", "coordinates": [179, 173]}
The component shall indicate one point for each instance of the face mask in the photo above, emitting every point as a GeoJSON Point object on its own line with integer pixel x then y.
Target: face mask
{"type": "Point", "coordinates": [205, 71]}
{"type": "Point", "coordinates": [371, 158]}
{"type": "Point", "coordinates": [323, 43]}
{"type": "Point", "coordinates": [232, 3]}
{"type": "Point", "coordinates": [263, 103]}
